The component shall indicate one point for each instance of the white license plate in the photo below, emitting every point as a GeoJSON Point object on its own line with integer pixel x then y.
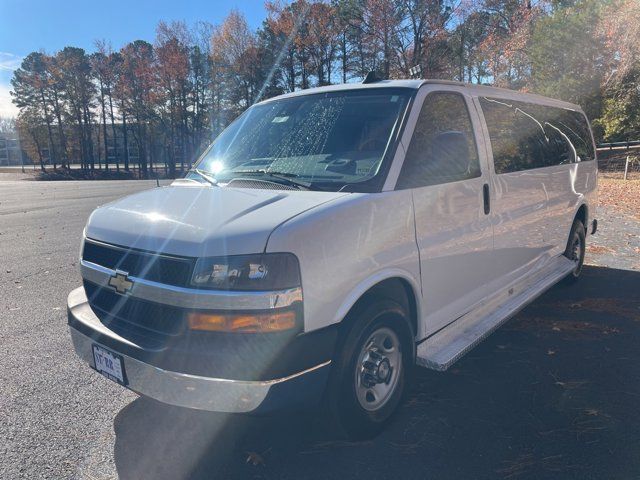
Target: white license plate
{"type": "Point", "coordinates": [109, 364]}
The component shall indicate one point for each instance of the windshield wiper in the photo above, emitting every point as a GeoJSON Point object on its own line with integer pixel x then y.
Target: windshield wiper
{"type": "Point", "coordinates": [285, 177]}
{"type": "Point", "coordinates": [206, 176]}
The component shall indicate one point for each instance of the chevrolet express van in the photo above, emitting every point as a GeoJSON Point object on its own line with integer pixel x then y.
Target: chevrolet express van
{"type": "Point", "coordinates": [331, 239]}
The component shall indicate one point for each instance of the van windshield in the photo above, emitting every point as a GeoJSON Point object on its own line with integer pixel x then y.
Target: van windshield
{"type": "Point", "coordinates": [319, 141]}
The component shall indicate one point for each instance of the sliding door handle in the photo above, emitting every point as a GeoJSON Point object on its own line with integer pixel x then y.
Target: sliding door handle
{"type": "Point", "coordinates": [487, 200]}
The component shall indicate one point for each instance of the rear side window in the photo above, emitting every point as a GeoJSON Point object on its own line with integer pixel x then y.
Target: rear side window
{"type": "Point", "coordinates": [526, 136]}
{"type": "Point", "coordinates": [443, 148]}
{"type": "Point", "coordinates": [575, 126]}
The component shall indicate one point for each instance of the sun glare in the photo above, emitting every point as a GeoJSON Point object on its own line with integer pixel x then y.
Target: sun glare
{"type": "Point", "coordinates": [216, 166]}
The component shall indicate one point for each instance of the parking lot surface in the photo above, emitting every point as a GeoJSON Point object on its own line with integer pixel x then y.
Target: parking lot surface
{"type": "Point", "coordinates": [552, 394]}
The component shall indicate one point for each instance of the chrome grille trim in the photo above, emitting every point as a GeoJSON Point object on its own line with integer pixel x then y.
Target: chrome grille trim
{"type": "Point", "coordinates": [192, 298]}
{"type": "Point", "coordinates": [163, 268]}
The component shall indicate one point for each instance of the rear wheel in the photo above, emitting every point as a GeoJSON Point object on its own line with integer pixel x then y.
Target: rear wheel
{"type": "Point", "coordinates": [370, 370]}
{"type": "Point", "coordinates": [575, 250]}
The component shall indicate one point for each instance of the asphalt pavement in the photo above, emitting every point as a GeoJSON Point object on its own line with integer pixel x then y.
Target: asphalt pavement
{"type": "Point", "coordinates": [552, 394]}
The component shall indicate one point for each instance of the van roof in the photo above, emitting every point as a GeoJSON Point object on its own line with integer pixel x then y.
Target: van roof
{"type": "Point", "coordinates": [472, 88]}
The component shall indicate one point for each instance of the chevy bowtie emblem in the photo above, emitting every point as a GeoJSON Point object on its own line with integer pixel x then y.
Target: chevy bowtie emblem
{"type": "Point", "coordinates": [120, 282]}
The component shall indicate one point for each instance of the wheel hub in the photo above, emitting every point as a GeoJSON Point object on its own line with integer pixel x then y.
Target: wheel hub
{"type": "Point", "coordinates": [378, 368]}
{"type": "Point", "coordinates": [577, 253]}
{"type": "Point", "coordinates": [375, 368]}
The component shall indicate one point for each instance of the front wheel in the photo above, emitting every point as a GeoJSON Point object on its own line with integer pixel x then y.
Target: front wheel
{"type": "Point", "coordinates": [575, 250]}
{"type": "Point", "coordinates": [371, 369]}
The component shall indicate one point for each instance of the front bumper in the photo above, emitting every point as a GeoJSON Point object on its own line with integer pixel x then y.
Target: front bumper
{"type": "Point", "coordinates": [302, 388]}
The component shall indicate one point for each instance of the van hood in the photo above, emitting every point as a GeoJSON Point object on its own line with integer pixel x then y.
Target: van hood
{"type": "Point", "coordinates": [191, 219]}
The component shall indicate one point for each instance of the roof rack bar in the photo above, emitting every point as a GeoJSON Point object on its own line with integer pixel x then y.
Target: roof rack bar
{"type": "Point", "coordinates": [445, 82]}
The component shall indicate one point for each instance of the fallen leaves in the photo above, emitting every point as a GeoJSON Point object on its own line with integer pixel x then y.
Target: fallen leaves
{"type": "Point", "coordinates": [598, 249]}
{"type": "Point", "coordinates": [623, 195]}
{"type": "Point", "coordinates": [572, 328]}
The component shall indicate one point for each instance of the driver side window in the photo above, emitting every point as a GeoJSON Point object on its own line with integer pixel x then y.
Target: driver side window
{"type": "Point", "coordinates": [443, 147]}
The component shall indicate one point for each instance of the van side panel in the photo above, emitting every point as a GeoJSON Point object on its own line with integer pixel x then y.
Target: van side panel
{"type": "Point", "coordinates": [347, 246]}
{"type": "Point", "coordinates": [534, 204]}
{"type": "Point", "coordinates": [568, 187]}
{"type": "Point", "coordinates": [453, 231]}
{"type": "Point", "coordinates": [519, 219]}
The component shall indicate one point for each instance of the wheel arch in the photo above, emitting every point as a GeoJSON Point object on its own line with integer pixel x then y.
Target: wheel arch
{"type": "Point", "coordinates": [395, 285]}
{"type": "Point", "coordinates": [582, 214]}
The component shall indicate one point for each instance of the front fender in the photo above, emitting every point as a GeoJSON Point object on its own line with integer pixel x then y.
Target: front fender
{"type": "Point", "coordinates": [363, 287]}
{"type": "Point", "coordinates": [346, 246]}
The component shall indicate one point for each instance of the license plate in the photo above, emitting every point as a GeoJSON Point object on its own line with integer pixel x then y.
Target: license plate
{"type": "Point", "coordinates": [109, 364]}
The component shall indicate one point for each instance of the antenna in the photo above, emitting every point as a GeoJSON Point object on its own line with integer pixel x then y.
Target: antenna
{"type": "Point", "coordinates": [415, 71]}
{"type": "Point", "coordinates": [371, 77]}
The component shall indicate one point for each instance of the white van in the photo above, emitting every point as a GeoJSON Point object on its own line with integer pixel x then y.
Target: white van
{"type": "Point", "coordinates": [331, 239]}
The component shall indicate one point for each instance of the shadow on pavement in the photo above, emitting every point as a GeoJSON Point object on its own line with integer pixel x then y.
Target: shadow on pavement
{"type": "Point", "coordinates": [552, 394]}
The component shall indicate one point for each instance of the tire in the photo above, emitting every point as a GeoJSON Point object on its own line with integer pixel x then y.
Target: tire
{"type": "Point", "coordinates": [576, 246]}
{"type": "Point", "coordinates": [371, 369]}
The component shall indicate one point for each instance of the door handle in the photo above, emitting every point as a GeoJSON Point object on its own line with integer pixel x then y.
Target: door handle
{"type": "Point", "coordinates": [487, 201]}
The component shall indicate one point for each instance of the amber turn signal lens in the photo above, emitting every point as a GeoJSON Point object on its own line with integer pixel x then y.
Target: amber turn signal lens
{"type": "Point", "coordinates": [242, 322]}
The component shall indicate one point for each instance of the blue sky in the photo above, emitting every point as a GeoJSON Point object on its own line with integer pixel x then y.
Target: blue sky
{"type": "Point", "coordinates": [49, 25]}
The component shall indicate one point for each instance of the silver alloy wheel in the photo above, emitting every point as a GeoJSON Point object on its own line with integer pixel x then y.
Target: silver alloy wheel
{"type": "Point", "coordinates": [378, 369]}
{"type": "Point", "coordinates": [577, 247]}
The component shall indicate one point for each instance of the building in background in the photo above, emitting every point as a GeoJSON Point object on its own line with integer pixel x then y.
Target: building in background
{"type": "Point", "coordinates": [34, 149]}
{"type": "Point", "coordinates": [10, 151]}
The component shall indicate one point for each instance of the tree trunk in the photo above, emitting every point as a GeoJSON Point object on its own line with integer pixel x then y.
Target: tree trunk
{"type": "Point", "coordinates": [292, 71]}
{"type": "Point", "coordinates": [116, 155]}
{"type": "Point", "coordinates": [89, 136]}
{"type": "Point", "coordinates": [81, 137]}
{"type": "Point", "coordinates": [52, 147]}
{"type": "Point", "coordinates": [39, 149]}
{"type": "Point", "coordinates": [63, 139]}
{"type": "Point", "coordinates": [104, 128]}
{"type": "Point", "coordinates": [126, 141]}
{"type": "Point", "coordinates": [344, 56]}
{"type": "Point", "coordinates": [462, 62]}
{"type": "Point", "coordinates": [142, 153]}
{"type": "Point", "coordinates": [387, 61]}
{"type": "Point", "coordinates": [303, 72]}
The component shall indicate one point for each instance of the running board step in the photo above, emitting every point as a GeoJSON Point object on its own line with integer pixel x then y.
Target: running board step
{"type": "Point", "coordinates": [447, 346]}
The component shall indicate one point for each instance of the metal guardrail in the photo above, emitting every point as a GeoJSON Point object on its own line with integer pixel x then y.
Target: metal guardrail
{"type": "Point", "coordinates": [612, 145]}
{"type": "Point", "coordinates": [619, 158]}
{"type": "Point", "coordinates": [622, 162]}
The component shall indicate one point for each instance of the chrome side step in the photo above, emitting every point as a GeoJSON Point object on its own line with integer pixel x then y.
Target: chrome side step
{"type": "Point", "coordinates": [447, 346]}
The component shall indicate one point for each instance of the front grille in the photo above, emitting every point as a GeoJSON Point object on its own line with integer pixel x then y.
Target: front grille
{"type": "Point", "coordinates": [143, 322]}
{"type": "Point", "coordinates": [151, 266]}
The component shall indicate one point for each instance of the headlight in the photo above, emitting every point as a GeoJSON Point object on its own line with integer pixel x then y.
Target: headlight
{"type": "Point", "coordinates": [265, 271]}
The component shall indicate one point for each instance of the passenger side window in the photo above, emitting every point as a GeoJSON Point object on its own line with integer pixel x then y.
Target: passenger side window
{"type": "Point", "coordinates": [559, 147]}
{"type": "Point", "coordinates": [517, 137]}
{"type": "Point", "coordinates": [443, 147]}
{"type": "Point", "coordinates": [576, 127]}
{"type": "Point", "coordinates": [526, 136]}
